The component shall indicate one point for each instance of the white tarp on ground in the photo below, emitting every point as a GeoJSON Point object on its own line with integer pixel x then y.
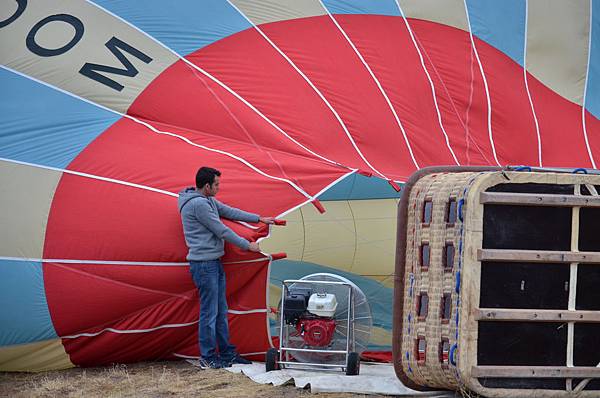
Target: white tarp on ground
{"type": "Point", "coordinates": [373, 379]}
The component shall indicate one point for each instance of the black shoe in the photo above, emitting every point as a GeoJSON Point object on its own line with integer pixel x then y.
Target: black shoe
{"type": "Point", "coordinates": [210, 364]}
{"type": "Point", "coordinates": [238, 359]}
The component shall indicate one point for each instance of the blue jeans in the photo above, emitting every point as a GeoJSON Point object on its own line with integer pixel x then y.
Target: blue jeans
{"type": "Point", "coordinates": [213, 330]}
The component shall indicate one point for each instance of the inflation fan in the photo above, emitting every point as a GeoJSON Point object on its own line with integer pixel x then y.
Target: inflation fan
{"type": "Point", "coordinates": [324, 322]}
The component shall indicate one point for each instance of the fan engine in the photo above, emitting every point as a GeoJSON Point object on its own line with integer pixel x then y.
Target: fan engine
{"type": "Point", "coordinates": [324, 323]}
{"type": "Point", "coordinates": [312, 314]}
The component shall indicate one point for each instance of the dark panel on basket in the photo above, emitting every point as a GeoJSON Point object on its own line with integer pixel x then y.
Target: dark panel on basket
{"type": "Point", "coordinates": [522, 343]}
{"type": "Point", "coordinates": [588, 287]}
{"type": "Point", "coordinates": [586, 344]}
{"type": "Point", "coordinates": [544, 384]}
{"type": "Point", "coordinates": [586, 191]}
{"type": "Point", "coordinates": [526, 227]}
{"type": "Point", "coordinates": [589, 221]}
{"type": "Point", "coordinates": [593, 384]}
{"type": "Point", "coordinates": [533, 188]}
{"type": "Point", "coordinates": [585, 353]}
{"type": "Point", "coordinates": [524, 285]}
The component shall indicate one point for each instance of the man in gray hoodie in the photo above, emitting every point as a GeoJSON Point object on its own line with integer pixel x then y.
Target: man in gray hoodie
{"type": "Point", "coordinates": [205, 235]}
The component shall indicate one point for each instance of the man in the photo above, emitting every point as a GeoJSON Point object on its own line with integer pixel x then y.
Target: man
{"type": "Point", "coordinates": [205, 235]}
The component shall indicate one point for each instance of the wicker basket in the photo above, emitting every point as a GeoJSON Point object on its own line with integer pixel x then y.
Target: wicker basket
{"type": "Point", "coordinates": [497, 285]}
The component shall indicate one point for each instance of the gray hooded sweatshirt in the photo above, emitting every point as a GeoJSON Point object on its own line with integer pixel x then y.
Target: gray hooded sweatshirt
{"type": "Point", "coordinates": [203, 229]}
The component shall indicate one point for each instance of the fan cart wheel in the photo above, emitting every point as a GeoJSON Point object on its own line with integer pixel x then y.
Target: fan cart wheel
{"type": "Point", "coordinates": [353, 366]}
{"type": "Point", "coordinates": [271, 359]}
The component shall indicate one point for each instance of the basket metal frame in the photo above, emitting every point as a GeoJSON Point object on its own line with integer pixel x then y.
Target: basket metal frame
{"type": "Point", "coordinates": [285, 360]}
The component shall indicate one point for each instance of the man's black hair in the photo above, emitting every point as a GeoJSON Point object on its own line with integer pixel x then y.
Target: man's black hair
{"type": "Point", "coordinates": [206, 175]}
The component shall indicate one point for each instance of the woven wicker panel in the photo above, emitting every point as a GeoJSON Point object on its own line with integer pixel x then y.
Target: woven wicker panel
{"type": "Point", "coordinates": [435, 281]}
{"type": "Point", "coordinates": [461, 330]}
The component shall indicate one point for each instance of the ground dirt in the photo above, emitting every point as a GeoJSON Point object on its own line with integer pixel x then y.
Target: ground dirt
{"type": "Point", "coordinates": [147, 379]}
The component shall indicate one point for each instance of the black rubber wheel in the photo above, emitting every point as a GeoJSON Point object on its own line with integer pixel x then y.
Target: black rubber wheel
{"type": "Point", "coordinates": [353, 365]}
{"type": "Point", "coordinates": [271, 359]}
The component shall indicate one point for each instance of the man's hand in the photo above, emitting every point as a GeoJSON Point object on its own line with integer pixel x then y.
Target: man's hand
{"type": "Point", "coordinates": [253, 247]}
{"type": "Point", "coordinates": [266, 220]}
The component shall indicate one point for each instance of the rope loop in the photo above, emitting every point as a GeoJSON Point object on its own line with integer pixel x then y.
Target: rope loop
{"type": "Point", "coordinates": [523, 168]}
{"type": "Point", "coordinates": [457, 287]}
{"type": "Point", "coordinates": [460, 208]}
{"type": "Point", "coordinates": [451, 356]}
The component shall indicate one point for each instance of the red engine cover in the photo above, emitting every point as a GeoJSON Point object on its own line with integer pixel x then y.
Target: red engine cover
{"type": "Point", "coordinates": [316, 332]}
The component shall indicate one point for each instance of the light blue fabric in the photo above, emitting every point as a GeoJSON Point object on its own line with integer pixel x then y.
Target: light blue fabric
{"type": "Point", "coordinates": [501, 24]}
{"type": "Point", "coordinates": [44, 126]}
{"type": "Point", "coordinates": [24, 314]}
{"type": "Point", "coordinates": [183, 25]}
{"type": "Point", "coordinates": [357, 187]}
{"type": "Point", "coordinates": [380, 7]}
{"type": "Point", "coordinates": [592, 97]}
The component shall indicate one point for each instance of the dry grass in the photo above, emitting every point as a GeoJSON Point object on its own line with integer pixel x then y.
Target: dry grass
{"type": "Point", "coordinates": [155, 379]}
